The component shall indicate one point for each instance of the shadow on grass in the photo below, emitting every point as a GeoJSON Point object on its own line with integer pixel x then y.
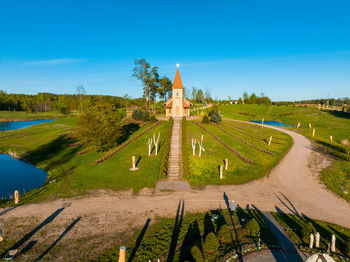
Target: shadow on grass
{"type": "Point", "coordinates": [57, 240]}
{"type": "Point", "coordinates": [176, 231]}
{"type": "Point", "coordinates": [339, 114]}
{"type": "Point", "coordinates": [139, 240]}
{"type": "Point", "coordinates": [127, 131]}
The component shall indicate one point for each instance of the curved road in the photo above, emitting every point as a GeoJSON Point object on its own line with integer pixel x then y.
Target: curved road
{"type": "Point", "coordinates": [291, 187]}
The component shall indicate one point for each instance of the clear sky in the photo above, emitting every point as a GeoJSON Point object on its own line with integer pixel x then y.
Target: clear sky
{"type": "Point", "coordinates": [289, 50]}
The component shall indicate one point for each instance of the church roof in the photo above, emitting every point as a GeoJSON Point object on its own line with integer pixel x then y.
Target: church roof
{"type": "Point", "coordinates": [177, 81]}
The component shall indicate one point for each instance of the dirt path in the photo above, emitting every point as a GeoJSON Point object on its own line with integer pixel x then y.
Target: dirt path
{"type": "Point", "coordinates": [107, 217]}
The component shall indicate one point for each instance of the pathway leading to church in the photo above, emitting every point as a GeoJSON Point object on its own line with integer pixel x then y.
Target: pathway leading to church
{"type": "Point", "coordinates": [175, 155]}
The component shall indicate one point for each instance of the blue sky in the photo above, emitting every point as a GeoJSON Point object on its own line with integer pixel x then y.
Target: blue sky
{"type": "Point", "coordinates": [289, 50]}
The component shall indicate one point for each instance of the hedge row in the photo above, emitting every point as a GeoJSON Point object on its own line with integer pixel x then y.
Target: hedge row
{"type": "Point", "coordinates": [163, 172]}
{"type": "Point", "coordinates": [185, 162]}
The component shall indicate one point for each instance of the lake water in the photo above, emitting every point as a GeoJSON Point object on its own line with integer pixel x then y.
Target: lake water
{"type": "Point", "coordinates": [13, 125]}
{"type": "Point", "coordinates": [272, 123]}
{"type": "Point", "coordinates": [16, 174]}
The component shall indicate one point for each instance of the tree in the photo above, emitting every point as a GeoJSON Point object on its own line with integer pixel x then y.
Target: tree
{"type": "Point", "coordinates": [253, 98]}
{"type": "Point", "coordinates": [211, 244]}
{"type": "Point", "coordinates": [193, 93]}
{"type": "Point", "coordinates": [240, 101]}
{"type": "Point", "coordinates": [252, 228]}
{"type": "Point", "coordinates": [165, 89]}
{"type": "Point", "coordinates": [307, 230]}
{"type": "Point", "coordinates": [80, 93]}
{"type": "Point", "coordinates": [246, 98]}
{"type": "Point", "coordinates": [100, 126]}
{"type": "Point", "coordinates": [208, 95]}
{"type": "Point", "coordinates": [141, 72]}
{"type": "Point", "coordinates": [153, 86]}
{"type": "Point", "coordinates": [199, 96]}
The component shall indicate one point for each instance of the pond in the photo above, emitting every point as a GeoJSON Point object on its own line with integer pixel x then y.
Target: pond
{"type": "Point", "coordinates": [14, 125]}
{"type": "Point", "coordinates": [272, 123]}
{"type": "Point", "coordinates": [16, 174]}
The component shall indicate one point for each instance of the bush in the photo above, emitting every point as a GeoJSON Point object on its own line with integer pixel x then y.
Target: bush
{"type": "Point", "coordinates": [153, 119]}
{"type": "Point", "coordinates": [347, 247]}
{"type": "Point", "coordinates": [205, 119]}
{"type": "Point", "coordinates": [224, 234]}
{"type": "Point", "coordinates": [214, 116]}
{"type": "Point", "coordinates": [146, 116]}
{"type": "Point", "coordinates": [307, 230]}
{"type": "Point", "coordinates": [252, 228]}
{"type": "Point", "coordinates": [197, 254]}
{"type": "Point", "coordinates": [211, 244]}
{"type": "Point", "coordinates": [141, 116]}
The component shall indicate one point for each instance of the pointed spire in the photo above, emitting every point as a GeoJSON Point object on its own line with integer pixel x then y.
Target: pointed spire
{"type": "Point", "coordinates": [177, 81]}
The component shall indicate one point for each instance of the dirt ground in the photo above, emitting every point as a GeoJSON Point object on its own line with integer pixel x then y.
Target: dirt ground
{"type": "Point", "coordinates": [80, 228]}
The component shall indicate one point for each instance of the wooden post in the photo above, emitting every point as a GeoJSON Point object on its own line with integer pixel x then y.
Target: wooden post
{"type": "Point", "coordinates": [298, 125]}
{"type": "Point", "coordinates": [16, 197]}
{"type": "Point", "coordinates": [313, 132]}
{"type": "Point", "coordinates": [317, 240]}
{"type": "Point", "coordinates": [310, 125]}
{"type": "Point", "coordinates": [331, 139]}
{"type": "Point", "coordinates": [194, 141]}
{"type": "Point", "coordinates": [270, 141]}
{"type": "Point", "coordinates": [221, 168]}
{"type": "Point", "coordinates": [333, 243]}
{"type": "Point", "coordinates": [262, 123]}
{"type": "Point", "coordinates": [133, 164]}
{"type": "Point", "coordinates": [226, 164]}
{"type": "Point", "coordinates": [122, 254]}
{"type": "Point", "coordinates": [149, 146]}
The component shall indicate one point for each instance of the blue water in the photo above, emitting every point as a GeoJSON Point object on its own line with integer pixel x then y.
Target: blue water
{"type": "Point", "coordinates": [272, 123]}
{"type": "Point", "coordinates": [16, 174]}
{"type": "Point", "coordinates": [13, 125]}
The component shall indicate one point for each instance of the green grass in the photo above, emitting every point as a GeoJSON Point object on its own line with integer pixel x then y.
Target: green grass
{"type": "Point", "coordinates": [293, 225]}
{"type": "Point", "coordinates": [21, 115]}
{"type": "Point", "coordinates": [46, 147]}
{"type": "Point", "coordinates": [327, 123]}
{"type": "Point", "coordinates": [205, 169]}
{"type": "Point", "coordinates": [160, 239]}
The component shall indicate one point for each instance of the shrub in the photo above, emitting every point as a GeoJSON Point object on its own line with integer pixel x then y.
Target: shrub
{"type": "Point", "coordinates": [205, 119]}
{"type": "Point", "coordinates": [211, 244]}
{"type": "Point", "coordinates": [214, 116]}
{"type": "Point", "coordinates": [163, 172]}
{"type": "Point", "coordinates": [307, 230]}
{"type": "Point", "coordinates": [197, 254]}
{"type": "Point", "coordinates": [252, 228]}
{"type": "Point", "coordinates": [137, 115]}
{"type": "Point", "coordinates": [224, 234]}
{"type": "Point", "coordinates": [185, 163]}
{"type": "Point", "coordinates": [347, 247]}
{"type": "Point", "coordinates": [153, 119]}
{"type": "Point", "coordinates": [146, 116]}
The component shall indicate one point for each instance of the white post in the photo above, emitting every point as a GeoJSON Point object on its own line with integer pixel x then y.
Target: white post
{"type": "Point", "coordinates": [298, 125]}
{"type": "Point", "coordinates": [310, 125]}
{"type": "Point", "coordinates": [156, 142]}
{"type": "Point", "coordinates": [313, 132]}
{"type": "Point", "coordinates": [221, 168]}
{"type": "Point", "coordinates": [149, 146]}
{"type": "Point", "coordinates": [270, 141]}
{"type": "Point", "coordinates": [317, 240]}
{"type": "Point", "coordinates": [201, 146]}
{"type": "Point", "coordinates": [331, 139]}
{"type": "Point", "coordinates": [16, 197]}
{"type": "Point", "coordinates": [333, 243]}
{"type": "Point", "coordinates": [133, 164]}
{"type": "Point", "coordinates": [122, 254]}
{"type": "Point", "coordinates": [319, 106]}
{"type": "Point", "coordinates": [226, 164]}
{"type": "Point", "coordinates": [311, 245]}
{"type": "Point", "coordinates": [194, 141]}
{"type": "Point", "coordinates": [262, 123]}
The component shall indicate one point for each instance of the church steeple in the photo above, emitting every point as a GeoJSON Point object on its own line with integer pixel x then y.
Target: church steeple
{"type": "Point", "coordinates": [177, 81]}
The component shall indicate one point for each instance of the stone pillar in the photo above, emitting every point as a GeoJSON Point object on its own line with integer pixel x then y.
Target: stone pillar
{"type": "Point", "coordinates": [331, 139]}
{"type": "Point", "coordinates": [270, 141]}
{"type": "Point", "coordinates": [16, 197]}
{"type": "Point", "coordinates": [226, 164]}
{"type": "Point", "coordinates": [122, 254]}
{"type": "Point", "coordinates": [221, 168]}
{"type": "Point", "coordinates": [133, 164]}
{"type": "Point", "coordinates": [313, 132]}
{"type": "Point", "coordinates": [311, 245]}
{"type": "Point", "coordinates": [333, 243]}
{"type": "Point", "coordinates": [317, 240]}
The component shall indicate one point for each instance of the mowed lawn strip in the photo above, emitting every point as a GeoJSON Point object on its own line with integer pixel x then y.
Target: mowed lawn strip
{"type": "Point", "coordinates": [73, 175]}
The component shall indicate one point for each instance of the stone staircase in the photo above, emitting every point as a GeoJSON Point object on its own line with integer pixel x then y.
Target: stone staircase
{"type": "Point", "coordinates": [175, 154]}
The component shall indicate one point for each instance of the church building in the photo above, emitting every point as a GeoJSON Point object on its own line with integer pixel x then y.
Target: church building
{"type": "Point", "coordinates": [177, 105]}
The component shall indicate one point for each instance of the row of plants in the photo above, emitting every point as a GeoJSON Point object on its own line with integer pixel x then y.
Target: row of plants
{"type": "Point", "coordinates": [185, 159]}
{"type": "Point", "coordinates": [143, 116]}
{"type": "Point", "coordinates": [164, 164]}
{"type": "Point", "coordinates": [209, 236]}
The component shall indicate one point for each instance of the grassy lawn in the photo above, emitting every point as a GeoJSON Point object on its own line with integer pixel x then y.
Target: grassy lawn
{"type": "Point", "coordinates": [21, 115]}
{"type": "Point", "coordinates": [205, 169]}
{"type": "Point", "coordinates": [171, 239]}
{"type": "Point", "coordinates": [293, 225]}
{"type": "Point", "coordinates": [47, 146]}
